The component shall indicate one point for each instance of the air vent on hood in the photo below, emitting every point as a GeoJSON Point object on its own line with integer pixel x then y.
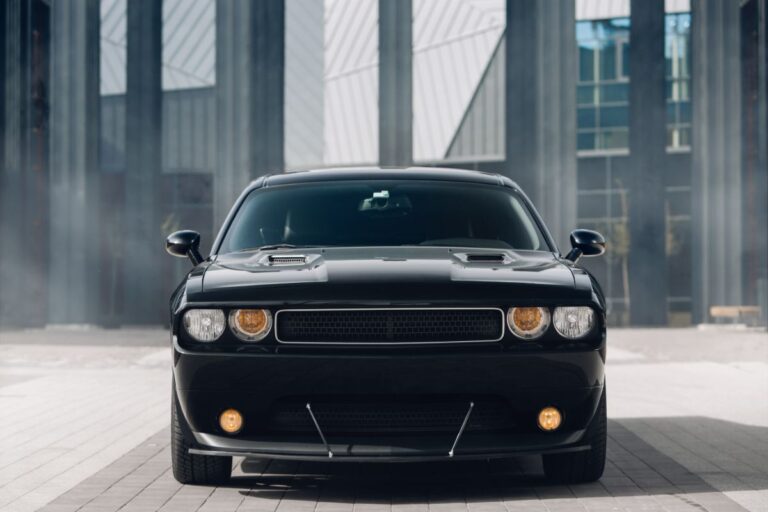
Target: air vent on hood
{"type": "Point", "coordinates": [288, 259]}
{"type": "Point", "coordinates": [487, 258]}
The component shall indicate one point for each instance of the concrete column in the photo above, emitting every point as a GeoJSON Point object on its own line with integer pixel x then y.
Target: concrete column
{"type": "Point", "coordinates": [754, 143]}
{"type": "Point", "coordinates": [250, 69]}
{"type": "Point", "coordinates": [716, 179]}
{"type": "Point", "coordinates": [395, 82]}
{"type": "Point", "coordinates": [23, 171]}
{"type": "Point", "coordinates": [143, 241]}
{"type": "Point", "coordinates": [647, 148]}
{"type": "Point", "coordinates": [540, 96]}
{"type": "Point", "coordinates": [73, 283]}
{"type": "Point", "coordinates": [3, 30]}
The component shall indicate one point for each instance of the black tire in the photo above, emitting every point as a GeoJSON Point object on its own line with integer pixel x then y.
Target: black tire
{"type": "Point", "coordinates": [194, 469]}
{"type": "Point", "coordinates": [584, 466]}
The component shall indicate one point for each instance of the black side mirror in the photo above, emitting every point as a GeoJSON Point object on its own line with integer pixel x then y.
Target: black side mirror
{"type": "Point", "coordinates": [184, 244]}
{"type": "Point", "coordinates": [585, 242]}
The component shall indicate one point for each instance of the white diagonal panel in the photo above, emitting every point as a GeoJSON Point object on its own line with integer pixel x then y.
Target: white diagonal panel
{"type": "Point", "coordinates": [351, 81]}
{"type": "Point", "coordinates": [453, 41]}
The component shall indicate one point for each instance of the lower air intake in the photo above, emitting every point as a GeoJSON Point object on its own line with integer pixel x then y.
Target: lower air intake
{"type": "Point", "coordinates": [356, 417]}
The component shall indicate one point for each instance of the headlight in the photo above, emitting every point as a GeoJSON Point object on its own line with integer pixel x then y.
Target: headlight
{"type": "Point", "coordinates": [204, 324]}
{"type": "Point", "coordinates": [574, 322]}
{"type": "Point", "coordinates": [528, 323]}
{"type": "Point", "coordinates": [250, 324]}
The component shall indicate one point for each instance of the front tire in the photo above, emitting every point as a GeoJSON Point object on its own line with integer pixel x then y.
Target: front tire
{"type": "Point", "coordinates": [584, 466]}
{"type": "Point", "coordinates": [194, 469]}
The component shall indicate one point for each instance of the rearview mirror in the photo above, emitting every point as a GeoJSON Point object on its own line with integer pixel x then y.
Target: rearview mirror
{"type": "Point", "coordinates": [585, 242]}
{"type": "Point", "coordinates": [184, 244]}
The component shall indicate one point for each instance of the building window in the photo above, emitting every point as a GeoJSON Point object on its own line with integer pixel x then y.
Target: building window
{"type": "Point", "coordinates": [678, 71]}
{"type": "Point", "coordinates": [602, 94]}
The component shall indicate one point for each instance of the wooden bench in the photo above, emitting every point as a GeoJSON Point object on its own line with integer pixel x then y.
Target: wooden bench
{"type": "Point", "coordinates": [736, 313]}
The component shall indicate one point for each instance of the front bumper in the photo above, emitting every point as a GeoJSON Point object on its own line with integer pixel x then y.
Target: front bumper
{"type": "Point", "coordinates": [206, 384]}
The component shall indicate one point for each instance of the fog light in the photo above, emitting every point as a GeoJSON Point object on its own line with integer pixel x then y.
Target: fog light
{"type": "Point", "coordinates": [549, 419]}
{"type": "Point", "coordinates": [231, 421]}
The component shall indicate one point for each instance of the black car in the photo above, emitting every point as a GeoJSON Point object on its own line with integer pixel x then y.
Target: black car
{"type": "Point", "coordinates": [387, 315]}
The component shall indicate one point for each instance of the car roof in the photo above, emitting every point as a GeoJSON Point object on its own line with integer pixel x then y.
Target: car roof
{"type": "Point", "coordinates": [384, 173]}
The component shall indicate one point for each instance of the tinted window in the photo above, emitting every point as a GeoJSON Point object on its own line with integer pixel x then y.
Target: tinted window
{"type": "Point", "coordinates": [384, 213]}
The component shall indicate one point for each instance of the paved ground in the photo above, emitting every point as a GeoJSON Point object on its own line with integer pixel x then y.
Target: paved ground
{"type": "Point", "coordinates": [84, 426]}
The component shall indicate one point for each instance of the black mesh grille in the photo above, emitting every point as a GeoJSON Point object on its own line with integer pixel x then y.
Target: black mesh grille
{"type": "Point", "coordinates": [389, 326]}
{"type": "Point", "coordinates": [340, 417]}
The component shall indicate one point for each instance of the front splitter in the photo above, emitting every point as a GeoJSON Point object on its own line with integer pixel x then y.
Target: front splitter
{"type": "Point", "coordinates": [337, 457]}
{"type": "Point", "coordinates": [388, 449]}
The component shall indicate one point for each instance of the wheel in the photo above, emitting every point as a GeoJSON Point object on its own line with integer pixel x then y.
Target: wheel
{"type": "Point", "coordinates": [194, 469]}
{"type": "Point", "coordinates": [584, 466]}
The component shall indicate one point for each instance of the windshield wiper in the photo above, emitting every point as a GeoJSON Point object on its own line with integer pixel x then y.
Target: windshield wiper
{"type": "Point", "coordinates": [272, 247]}
{"type": "Point", "coordinates": [268, 247]}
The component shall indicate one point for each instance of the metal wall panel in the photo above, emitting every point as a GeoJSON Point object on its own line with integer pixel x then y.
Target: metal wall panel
{"type": "Point", "coordinates": [189, 45]}
{"type": "Point", "coordinates": [304, 86]}
{"type": "Point", "coordinates": [189, 132]}
{"type": "Point", "coordinates": [351, 82]}
{"type": "Point", "coordinates": [453, 42]}
{"type": "Point", "coordinates": [113, 46]}
{"type": "Point", "coordinates": [480, 133]}
{"type": "Point", "coordinates": [606, 9]}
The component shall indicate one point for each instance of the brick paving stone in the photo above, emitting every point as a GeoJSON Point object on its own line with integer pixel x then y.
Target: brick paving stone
{"type": "Point", "coordinates": [142, 480]}
{"type": "Point", "coordinates": [678, 441]}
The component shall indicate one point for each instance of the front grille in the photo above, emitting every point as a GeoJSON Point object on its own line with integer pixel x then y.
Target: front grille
{"type": "Point", "coordinates": [389, 325]}
{"type": "Point", "coordinates": [350, 417]}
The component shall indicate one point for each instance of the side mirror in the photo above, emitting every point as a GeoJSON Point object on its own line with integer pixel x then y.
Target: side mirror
{"type": "Point", "coordinates": [585, 242]}
{"type": "Point", "coordinates": [184, 244]}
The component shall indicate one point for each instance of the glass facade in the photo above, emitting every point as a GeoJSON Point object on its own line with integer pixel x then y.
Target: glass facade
{"type": "Point", "coordinates": [677, 52]}
{"type": "Point", "coordinates": [602, 92]}
{"type": "Point", "coordinates": [603, 83]}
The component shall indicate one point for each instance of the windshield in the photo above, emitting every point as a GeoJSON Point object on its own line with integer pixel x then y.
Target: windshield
{"type": "Point", "coordinates": [384, 213]}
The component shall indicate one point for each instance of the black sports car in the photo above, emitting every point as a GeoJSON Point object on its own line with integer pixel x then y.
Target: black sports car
{"type": "Point", "coordinates": [387, 315]}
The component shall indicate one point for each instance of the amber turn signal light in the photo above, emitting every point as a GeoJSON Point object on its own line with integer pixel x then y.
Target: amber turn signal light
{"type": "Point", "coordinates": [550, 419]}
{"type": "Point", "coordinates": [528, 322]}
{"type": "Point", "coordinates": [250, 324]}
{"type": "Point", "coordinates": [231, 421]}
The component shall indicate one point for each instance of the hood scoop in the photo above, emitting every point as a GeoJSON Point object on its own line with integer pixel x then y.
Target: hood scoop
{"type": "Point", "coordinates": [486, 258]}
{"type": "Point", "coordinates": [287, 259]}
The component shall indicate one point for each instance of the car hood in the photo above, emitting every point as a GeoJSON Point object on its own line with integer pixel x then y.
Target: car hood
{"type": "Point", "coordinates": [393, 275]}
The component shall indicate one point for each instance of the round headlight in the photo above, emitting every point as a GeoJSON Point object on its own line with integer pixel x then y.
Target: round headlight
{"type": "Point", "coordinates": [204, 324]}
{"type": "Point", "coordinates": [528, 323]}
{"type": "Point", "coordinates": [250, 324]}
{"type": "Point", "coordinates": [574, 322]}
